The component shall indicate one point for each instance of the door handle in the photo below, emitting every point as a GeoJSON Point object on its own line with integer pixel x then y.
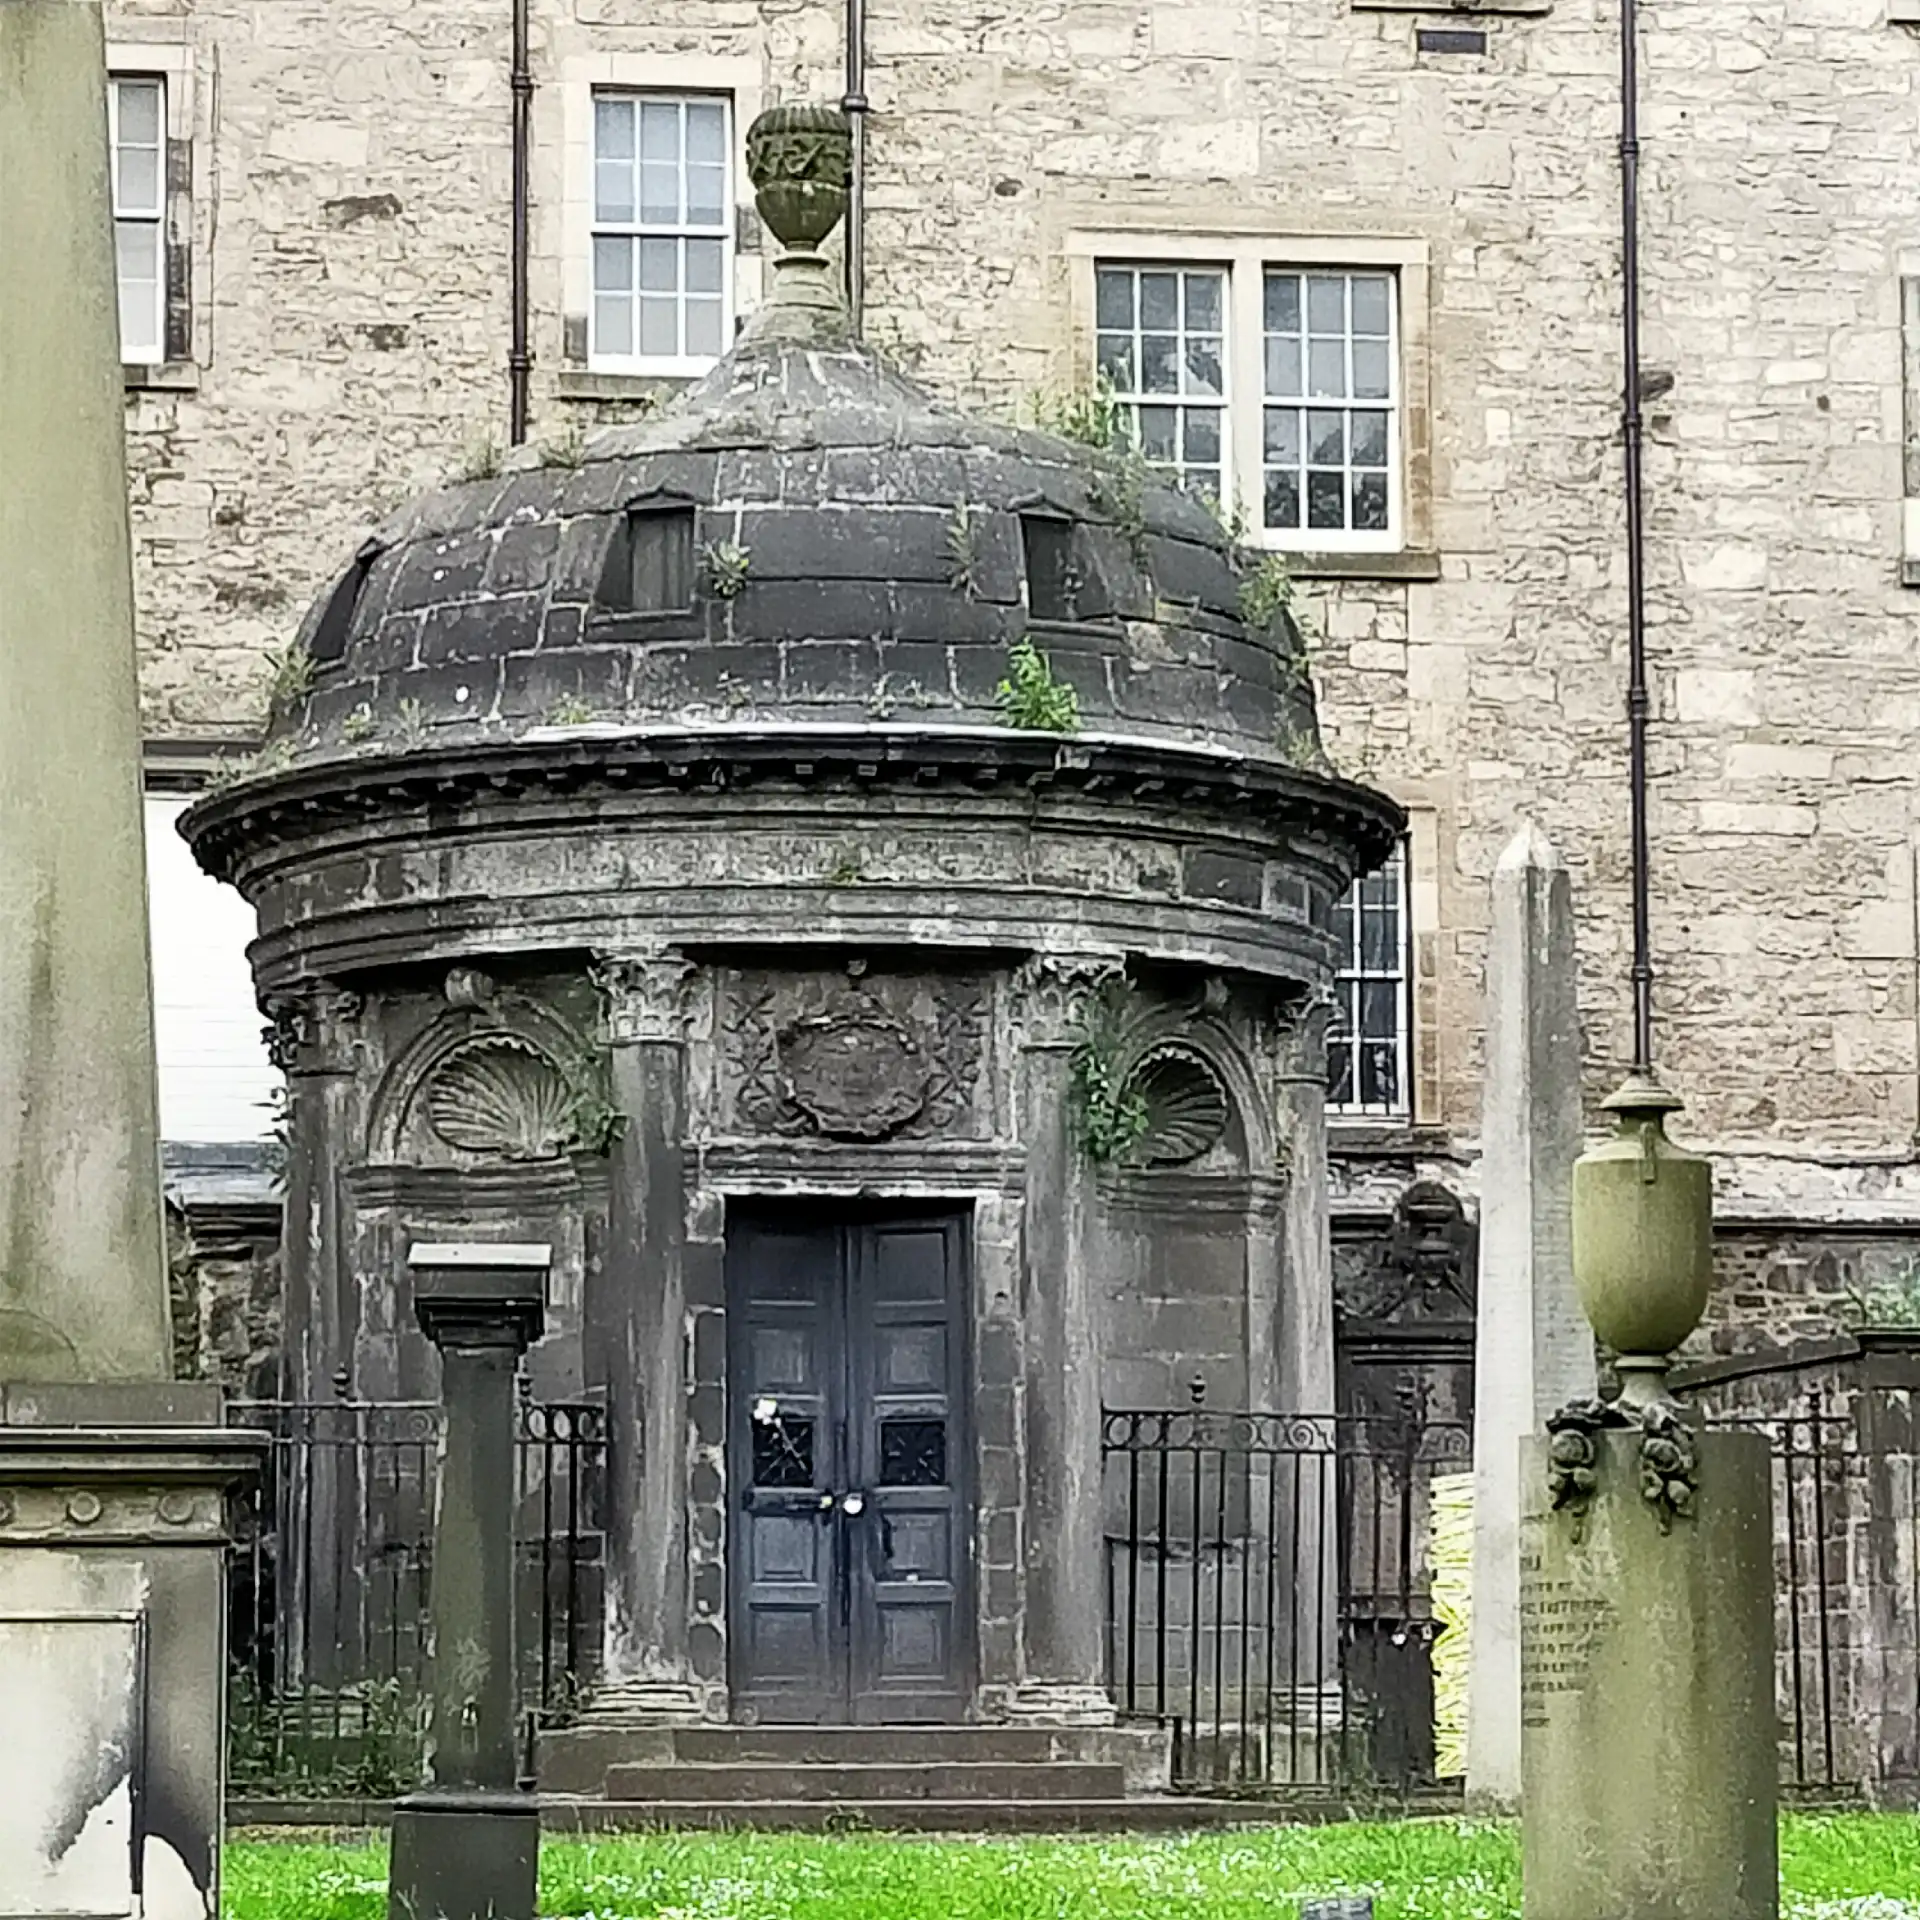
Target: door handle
{"type": "Point", "coordinates": [853, 1505]}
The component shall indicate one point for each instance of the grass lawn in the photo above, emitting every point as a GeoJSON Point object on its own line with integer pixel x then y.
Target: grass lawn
{"type": "Point", "coordinates": [1833, 1866]}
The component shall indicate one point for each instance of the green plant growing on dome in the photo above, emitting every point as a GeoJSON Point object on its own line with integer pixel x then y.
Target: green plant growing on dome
{"type": "Point", "coordinates": [726, 564]}
{"type": "Point", "coordinates": [1092, 416]}
{"type": "Point", "coordinates": [1031, 697]}
{"type": "Point", "coordinates": [292, 675]}
{"type": "Point", "coordinates": [963, 550]}
{"type": "Point", "coordinates": [478, 460]}
{"type": "Point", "coordinates": [358, 725]}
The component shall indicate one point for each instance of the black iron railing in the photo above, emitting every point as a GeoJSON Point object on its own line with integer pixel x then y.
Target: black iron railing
{"type": "Point", "coordinates": [329, 1590]}
{"type": "Point", "coordinates": [1271, 1592]}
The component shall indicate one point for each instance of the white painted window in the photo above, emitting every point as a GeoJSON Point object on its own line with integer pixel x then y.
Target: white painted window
{"type": "Point", "coordinates": [216, 1082]}
{"type": "Point", "coordinates": [1330, 432]}
{"type": "Point", "coordinates": [1285, 376]}
{"type": "Point", "coordinates": [137, 135]}
{"type": "Point", "coordinates": [662, 232]}
{"type": "Point", "coordinates": [1368, 1052]}
{"type": "Point", "coordinates": [1162, 352]}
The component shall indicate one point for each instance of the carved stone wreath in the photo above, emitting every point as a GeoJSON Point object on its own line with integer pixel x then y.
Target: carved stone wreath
{"type": "Point", "coordinates": [857, 1075]}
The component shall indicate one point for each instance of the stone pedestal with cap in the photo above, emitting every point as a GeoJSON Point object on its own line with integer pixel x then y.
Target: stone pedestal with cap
{"type": "Point", "coordinates": [1648, 1758]}
{"type": "Point", "coordinates": [467, 1847]}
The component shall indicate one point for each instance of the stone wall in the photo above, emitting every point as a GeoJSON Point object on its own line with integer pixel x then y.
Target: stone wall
{"type": "Point", "coordinates": [351, 170]}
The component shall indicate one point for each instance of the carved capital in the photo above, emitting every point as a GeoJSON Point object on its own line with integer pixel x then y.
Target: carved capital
{"type": "Point", "coordinates": [649, 994]}
{"type": "Point", "coordinates": [1298, 1038]}
{"type": "Point", "coordinates": [313, 1031]}
{"type": "Point", "coordinates": [1049, 991]}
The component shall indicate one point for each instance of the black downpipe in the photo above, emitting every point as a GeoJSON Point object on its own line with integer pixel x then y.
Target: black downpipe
{"type": "Point", "coordinates": [519, 353]}
{"type": "Point", "coordinates": [1632, 433]}
{"type": "Point", "coordinates": [855, 108]}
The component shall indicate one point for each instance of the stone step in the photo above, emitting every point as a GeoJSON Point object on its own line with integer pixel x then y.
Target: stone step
{"type": "Point", "coordinates": [1171, 1814]}
{"type": "Point", "coordinates": [866, 1786]}
{"type": "Point", "coordinates": [872, 1746]}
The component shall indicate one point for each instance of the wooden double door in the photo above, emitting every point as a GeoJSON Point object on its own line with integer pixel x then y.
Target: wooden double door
{"type": "Point", "coordinates": [850, 1544]}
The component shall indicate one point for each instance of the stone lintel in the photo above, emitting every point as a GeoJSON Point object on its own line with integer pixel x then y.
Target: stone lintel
{"type": "Point", "coordinates": [118, 1487]}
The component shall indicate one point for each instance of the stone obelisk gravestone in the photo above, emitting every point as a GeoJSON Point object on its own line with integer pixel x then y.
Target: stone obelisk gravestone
{"type": "Point", "coordinates": [467, 1847]}
{"type": "Point", "coordinates": [111, 1520]}
{"type": "Point", "coordinates": [1533, 1350]}
{"type": "Point", "coordinates": [1649, 1762]}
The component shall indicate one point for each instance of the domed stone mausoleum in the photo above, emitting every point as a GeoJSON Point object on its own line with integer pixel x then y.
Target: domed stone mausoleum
{"type": "Point", "coordinates": [654, 869]}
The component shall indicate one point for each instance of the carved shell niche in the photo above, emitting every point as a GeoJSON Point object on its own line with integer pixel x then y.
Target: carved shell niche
{"type": "Point", "coordinates": [501, 1097]}
{"type": "Point", "coordinates": [1186, 1106]}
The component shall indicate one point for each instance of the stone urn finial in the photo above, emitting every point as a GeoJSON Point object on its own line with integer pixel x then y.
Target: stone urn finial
{"type": "Point", "coordinates": [1642, 1237]}
{"type": "Point", "coordinates": [800, 160]}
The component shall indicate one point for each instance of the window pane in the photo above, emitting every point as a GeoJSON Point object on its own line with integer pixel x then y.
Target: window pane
{"type": "Point", "coordinates": [612, 264]}
{"type": "Point", "coordinates": [703, 328]}
{"type": "Point", "coordinates": [706, 196]}
{"type": "Point", "coordinates": [1283, 500]}
{"type": "Point", "coordinates": [660, 131]}
{"type": "Point", "coordinates": [1113, 298]}
{"type": "Point", "coordinates": [1283, 368]}
{"type": "Point", "coordinates": [659, 266]}
{"type": "Point", "coordinates": [1379, 1078]}
{"type": "Point", "coordinates": [706, 260]}
{"type": "Point", "coordinates": [1326, 502]}
{"type": "Point", "coordinates": [613, 325]}
{"type": "Point", "coordinates": [1159, 363]}
{"type": "Point", "coordinates": [1380, 938]}
{"type": "Point", "coordinates": [660, 329]}
{"type": "Point", "coordinates": [137, 251]}
{"type": "Point", "coordinates": [1159, 433]}
{"type": "Point", "coordinates": [1116, 360]}
{"type": "Point", "coordinates": [1203, 302]}
{"type": "Point", "coordinates": [1203, 435]}
{"type": "Point", "coordinates": [707, 133]}
{"type": "Point", "coordinates": [1160, 301]}
{"type": "Point", "coordinates": [1340, 1073]}
{"type": "Point", "coordinates": [1370, 303]}
{"type": "Point", "coordinates": [1370, 502]}
{"type": "Point", "coordinates": [1326, 439]}
{"type": "Point", "coordinates": [659, 195]}
{"type": "Point", "coordinates": [1283, 303]}
{"type": "Point", "coordinates": [1283, 437]}
{"type": "Point", "coordinates": [1343, 930]}
{"type": "Point", "coordinates": [1203, 366]}
{"type": "Point", "coordinates": [139, 179]}
{"type": "Point", "coordinates": [1326, 303]}
{"type": "Point", "coordinates": [1370, 370]}
{"type": "Point", "coordinates": [139, 102]}
{"type": "Point", "coordinates": [613, 191]}
{"type": "Point", "coordinates": [612, 131]}
{"type": "Point", "coordinates": [1369, 439]}
{"type": "Point", "coordinates": [1327, 369]}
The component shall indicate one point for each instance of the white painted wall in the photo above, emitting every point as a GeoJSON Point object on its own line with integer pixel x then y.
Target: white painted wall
{"type": "Point", "coordinates": [215, 1077]}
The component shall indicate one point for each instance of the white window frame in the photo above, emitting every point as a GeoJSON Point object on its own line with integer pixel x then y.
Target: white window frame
{"type": "Point", "coordinates": [153, 215]}
{"type": "Point", "coordinates": [1247, 251]}
{"type": "Point", "coordinates": [1350, 974]}
{"type": "Point", "coordinates": [683, 230]}
{"type": "Point", "coordinates": [739, 79]}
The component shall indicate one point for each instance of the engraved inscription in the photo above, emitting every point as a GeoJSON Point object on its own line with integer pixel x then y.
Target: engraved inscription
{"type": "Point", "coordinates": [1561, 1621]}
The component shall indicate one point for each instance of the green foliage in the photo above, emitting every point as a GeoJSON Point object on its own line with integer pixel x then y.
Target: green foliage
{"type": "Point", "coordinates": [358, 725]}
{"type": "Point", "coordinates": [362, 1742]}
{"type": "Point", "coordinates": [726, 564]}
{"type": "Point", "coordinates": [846, 868]}
{"type": "Point", "coordinates": [887, 696]}
{"type": "Point", "coordinates": [963, 550]}
{"type": "Point", "coordinates": [1890, 1302]}
{"type": "Point", "coordinates": [1111, 1114]}
{"type": "Point", "coordinates": [278, 1149]}
{"type": "Point", "coordinates": [595, 1124]}
{"type": "Point", "coordinates": [1266, 591]}
{"type": "Point", "coordinates": [1031, 697]}
{"type": "Point", "coordinates": [1090, 416]}
{"type": "Point", "coordinates": [292, 675]}
{"type": "Point", "coordinates": [478, 460]}
{"type": "Point", "coordinates": [569, 710]}
{"type": "Point", "coordinates": [1119, 491]}
{"type": "Point", "coordinates": [413, 723]}
{"type": "Point", "coordinates": [566, 449]}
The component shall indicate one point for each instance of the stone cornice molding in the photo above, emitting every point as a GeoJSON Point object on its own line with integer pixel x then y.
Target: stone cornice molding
{"type": "Point", "coordinates": [108, 1487]}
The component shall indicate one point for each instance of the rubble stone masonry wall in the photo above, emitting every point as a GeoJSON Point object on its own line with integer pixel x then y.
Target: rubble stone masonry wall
{"type": "Point", "coordinates": [350, 170]}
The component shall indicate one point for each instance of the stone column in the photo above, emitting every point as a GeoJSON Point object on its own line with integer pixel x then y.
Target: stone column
{"type": "Point", "coordinates": [467, 1846]}
{"type": "Point", "coordinates": [1305, 1361]}
{"type": "Point", "coordinates": [1064, 1663]}
{"type": "Point", "coordinates": [82, 1250]}
{"type": "Point", "coordinates": [1533, 1350]}
{"type": "Point", "coordinates": [638, 1328]}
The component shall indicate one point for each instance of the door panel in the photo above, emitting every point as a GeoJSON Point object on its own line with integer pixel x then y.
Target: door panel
{"type": "Point", "coordinates": [850, 1542]}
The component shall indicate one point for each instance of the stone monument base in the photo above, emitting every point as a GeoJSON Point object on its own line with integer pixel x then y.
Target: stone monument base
{"type": "Point", "coordinates": [1648, 1744]}
{"type": "Point", "coordinates": [113, 1655]}
{"type": "Point", "coordinates": [464, 1854]}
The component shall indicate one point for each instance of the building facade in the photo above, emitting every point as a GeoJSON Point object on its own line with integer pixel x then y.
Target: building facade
{"type": "Point", "coordinates": [1357, 270]}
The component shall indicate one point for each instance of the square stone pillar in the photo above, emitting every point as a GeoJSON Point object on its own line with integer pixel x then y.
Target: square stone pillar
{"type": "Point", "coordinates": [467, 1847]}
{"type": "Point", "coordinates": [113, 1656]}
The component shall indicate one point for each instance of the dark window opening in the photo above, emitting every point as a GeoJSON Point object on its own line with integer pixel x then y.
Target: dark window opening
{"type": "Point", "coordinates": [783, 1452]}
{"type": "Point", "coordinates": [652, 566]}
{"type": "Point", "coordinates": [913, 1453]}
{"type": "Point", "coordinates": [1053, 572]}
{"type": "Point", "coordinates": [336, 618]}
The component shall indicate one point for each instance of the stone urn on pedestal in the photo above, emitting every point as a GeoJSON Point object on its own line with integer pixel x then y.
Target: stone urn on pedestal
{"type": "Point", "coordinates": [1648, 1751]}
